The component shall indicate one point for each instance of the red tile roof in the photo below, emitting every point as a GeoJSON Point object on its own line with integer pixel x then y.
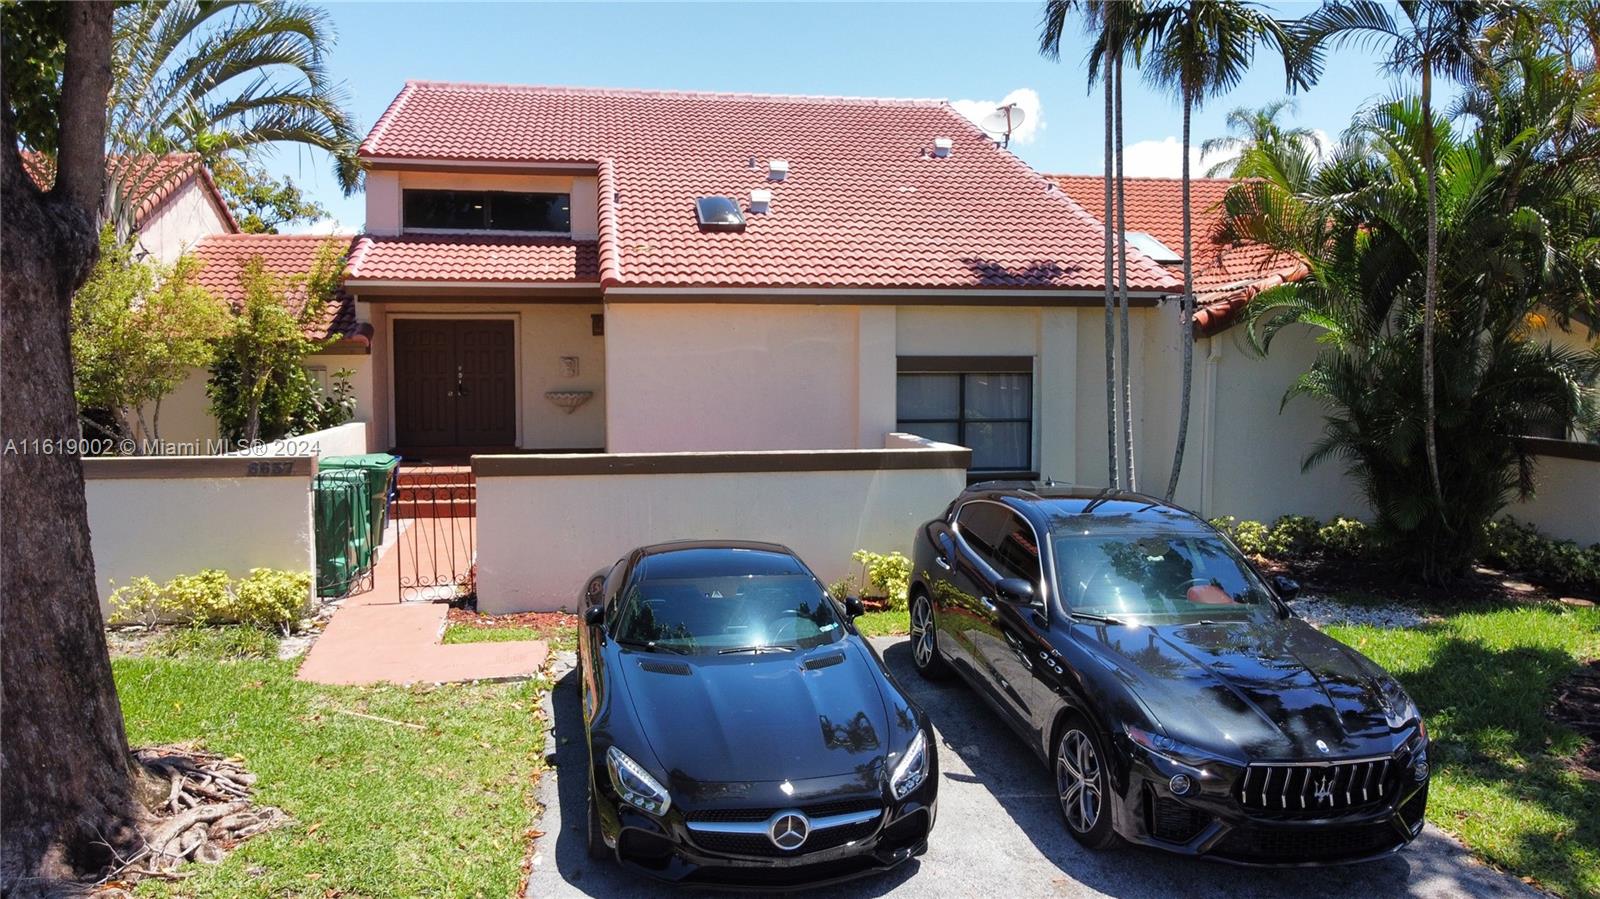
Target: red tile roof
{"type": "Point", "coordinates": [223, 258]}
{"type": "Point", "coordinates": [865, 204]}
{"type": "Point", "coordinates": [434, 257]}
{"type": "Point", "coordinates": [155, 179]}
{"type": "Point", "coordinates": [1226, 275]}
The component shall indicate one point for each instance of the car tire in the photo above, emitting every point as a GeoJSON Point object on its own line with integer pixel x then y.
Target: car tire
{"type": "Point", "coordinates": [1080, 766]}
{"type": "Point", "coordinates": [598, 850]}
{"type": "Point", "coordinates": [925, 639]}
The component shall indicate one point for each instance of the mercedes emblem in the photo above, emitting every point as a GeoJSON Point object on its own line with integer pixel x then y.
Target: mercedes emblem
{"type": "Point", "coordinates": [788, 830]}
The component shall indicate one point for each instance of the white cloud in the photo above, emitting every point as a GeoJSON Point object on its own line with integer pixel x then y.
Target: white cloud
{"type": "Point", "coordinates": [320, 226]}
{"type": "Point", "coordinates": [1163, 159]}
{"type": "Point", "coordinates": [1027, 100]}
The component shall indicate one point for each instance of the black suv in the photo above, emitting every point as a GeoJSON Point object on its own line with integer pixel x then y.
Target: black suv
{"type": "Point", "coordinates": [1179, 702]}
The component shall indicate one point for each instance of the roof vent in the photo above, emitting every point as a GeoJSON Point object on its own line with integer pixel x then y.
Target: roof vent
{"type": "Point", "coordinates": [760, 200]}
{"type": "Point", "coordinates": [718, 214]}
{"type": "Point", "coordinates": [942, 147]}
{"type": "Point", "coordinates": [777, 169]}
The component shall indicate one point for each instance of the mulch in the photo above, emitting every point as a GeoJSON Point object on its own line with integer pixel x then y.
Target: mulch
{"type": "Point", "coordinates": [1577, 706]}
{"type": "Point", "coordinates": [542, 621]}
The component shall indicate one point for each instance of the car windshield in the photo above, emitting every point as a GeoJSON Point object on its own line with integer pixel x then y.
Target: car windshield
{"type": "Point", "coordinates": [759, 602]}
{"type": "Point", "coordinates": [1134, 575]}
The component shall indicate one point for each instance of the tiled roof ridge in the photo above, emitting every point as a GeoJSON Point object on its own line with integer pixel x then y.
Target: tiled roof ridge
{"type": "Point", "coordinates": [651, 93]}
{"type": "Point", "coordinates": [1172, 178]}
{"type": "Point", "coordinates": [610, 250]}
{"type": "Point", "coordinates": [388, 117]}
{"type": "Point", "coordinates": [243, 236]}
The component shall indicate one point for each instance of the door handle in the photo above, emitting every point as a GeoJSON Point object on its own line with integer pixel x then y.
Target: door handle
{"type": "Point", "coordinates": [988, 603]}
{"type": "Point", "coordinates": [942, 562]}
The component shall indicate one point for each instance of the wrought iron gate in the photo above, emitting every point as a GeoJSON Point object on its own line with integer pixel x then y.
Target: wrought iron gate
{"type": "Point", "coordinates": [435, 512]}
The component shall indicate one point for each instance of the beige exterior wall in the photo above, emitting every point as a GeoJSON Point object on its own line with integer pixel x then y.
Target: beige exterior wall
{"type": "Point", "coordinates": [541, 537]}
{"type": "Point", "coordinates": [385, 195]}
{"type": "Point", "coordinates": [159, 518]}
{"type": "Point", "coordinates": [180, 222]}
{"type": "Point", "coordinates": [715, 377]}
{"type": "Point", "coordinates": [544, 334]}
{"type": "Point", "coordinates": [1566, 504]}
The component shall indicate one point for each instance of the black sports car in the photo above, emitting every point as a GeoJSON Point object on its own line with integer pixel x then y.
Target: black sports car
{"type": "Point", "coordinates": [741, 733]}
{"type": "Point", "coordinates": [1178, 701]}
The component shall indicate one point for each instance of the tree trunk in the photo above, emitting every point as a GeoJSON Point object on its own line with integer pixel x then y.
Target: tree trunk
{"type": "Point", "coordinates": [1129, 474]}
{"type": "Point", "coordinates": [1430, 291]}
{"type": "Point", "coordinates": [66, 797]}
{"type": "Point", "coordinates": [1111, 319]}
{"type": "Point", "coordinates": [1185, 310]}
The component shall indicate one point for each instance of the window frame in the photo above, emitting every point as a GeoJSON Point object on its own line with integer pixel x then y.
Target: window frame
{"type": "Point", "coordinates": [1041, 586]}
{"type": "Point", "coordinates": [962, 367]}
{"type": "Point", "coordinates": [488, 212]}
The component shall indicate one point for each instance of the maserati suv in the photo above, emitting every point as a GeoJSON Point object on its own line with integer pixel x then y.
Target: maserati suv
{"type": "Point", "coordinates": [740, 732]}
{"type": "Point", "coordinates": [1176, 698]}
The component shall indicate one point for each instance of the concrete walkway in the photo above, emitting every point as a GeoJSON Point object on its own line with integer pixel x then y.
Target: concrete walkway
{"type": "Point", "coordinates": [375, 638]}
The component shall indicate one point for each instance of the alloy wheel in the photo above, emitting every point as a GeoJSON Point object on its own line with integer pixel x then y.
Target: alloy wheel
{"type": "Point", "coordinates": [1078, 780]}
{"type": "Point", "coordinates": [922, 631]}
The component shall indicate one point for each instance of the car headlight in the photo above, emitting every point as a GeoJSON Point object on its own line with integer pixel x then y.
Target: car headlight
{"type": "Point", "coordinates": [1172, 750]}
{"type": "Point", "coordinates": [1398, 708]}
{"type": "Point", "coordinates": [912, 769]}
{"type": "Point", "coordinates": [635, 785]}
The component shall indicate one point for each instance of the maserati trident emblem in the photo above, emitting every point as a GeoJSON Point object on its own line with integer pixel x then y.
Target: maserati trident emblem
{"type": "Point", "coordinates": [1322, 746]}
{"type": "Point", "coordinates": [1324, 792]}
{"type": "Point", "coordinates": [788, 831]}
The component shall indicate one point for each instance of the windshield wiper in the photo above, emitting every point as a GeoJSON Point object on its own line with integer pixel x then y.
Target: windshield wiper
{"type": "Point", "coordinates": [754, 649]}
{"type": "Point", "coordinates": [653, 646]}
{"type": "Point", "coordinates": [1097, 619]}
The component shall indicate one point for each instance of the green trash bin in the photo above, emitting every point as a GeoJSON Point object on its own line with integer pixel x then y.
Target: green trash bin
{"type": "Point", "coordinates": [343, 523]}
{"type": "Point", "coordinates": [379, 471]}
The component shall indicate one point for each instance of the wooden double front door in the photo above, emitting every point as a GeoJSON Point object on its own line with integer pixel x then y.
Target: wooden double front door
{"type": "Point", "coordinates": [455, 383]}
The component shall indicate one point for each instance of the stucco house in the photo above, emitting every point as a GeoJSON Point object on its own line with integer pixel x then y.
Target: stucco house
{"type": "Point", "coordinates": [621, 271]}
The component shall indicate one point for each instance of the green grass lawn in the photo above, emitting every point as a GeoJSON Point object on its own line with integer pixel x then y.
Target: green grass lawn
{"type": "Point", "coordinates": [1503, 779]}
{"type": "Point", "coordinates": [887, 623]}
{"type": "Point", "coordinates": [380, 809]}
{"type": "Point", "coordinates": [559, 638]}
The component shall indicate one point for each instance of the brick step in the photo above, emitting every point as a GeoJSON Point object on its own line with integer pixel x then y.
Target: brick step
{"type": "Point", "coordinates": [436, 477]}
{"type": "Point", "coordinates": [443, 508]}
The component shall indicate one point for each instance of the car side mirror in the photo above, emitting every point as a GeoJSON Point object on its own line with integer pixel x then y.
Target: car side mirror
{"type": "Point", "coordinates": [1288, 588]}
{"type": "Point", "coordinates": [594, 616]}
{"type": "Point", "coordinates": [853, 608]}
{"type": "Point", "coordinates": [1015, 590]}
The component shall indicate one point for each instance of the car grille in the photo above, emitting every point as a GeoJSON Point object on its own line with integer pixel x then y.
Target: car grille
{"type": "Point", "coordinates": [1307, 843]}
{"type": "Point", "coordinates": [760, 844]}
{"type": "Point", "coordinates": [814, 810]}
{"type": "Point", "coordinates": [1317, 788]}
{"type": "Point", "coordinates": [1173, 821]}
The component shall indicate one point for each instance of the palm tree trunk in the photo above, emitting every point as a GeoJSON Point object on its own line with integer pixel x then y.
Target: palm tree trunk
{"type": "Point", "coordinates": [1430, 291]}
{"type": "Point", "coordinates": [1122, 298]}
{"type": "Point", "coordinates": [1111, 321]}
{"type": "Point", "coordinates": [1185, 309]}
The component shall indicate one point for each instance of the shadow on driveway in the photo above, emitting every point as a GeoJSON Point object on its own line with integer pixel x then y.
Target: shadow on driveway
{"type": "Point", "coordinates": [999, 831]}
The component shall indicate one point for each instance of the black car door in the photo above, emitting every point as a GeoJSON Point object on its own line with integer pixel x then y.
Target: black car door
{"type": "Point", "coordinates": [985, 528]}
{"type": "Point", "coordinates": [1021, 645]}
{"type": "Point", "coordinates": [965, 582]}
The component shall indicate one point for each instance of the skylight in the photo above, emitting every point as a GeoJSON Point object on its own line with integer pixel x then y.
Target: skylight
{"type": "Point", "coordinates": [1153, 248]}
{"type": "Point", "coordinates": [718, 214]}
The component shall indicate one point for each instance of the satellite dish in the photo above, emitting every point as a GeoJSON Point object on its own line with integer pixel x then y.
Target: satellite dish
{"type": "Point", "coordinates": [1003, 121]}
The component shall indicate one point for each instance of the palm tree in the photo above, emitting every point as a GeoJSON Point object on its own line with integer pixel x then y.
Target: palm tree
{"type": "Point", "coordinates": [1201, 48]}
{"type": "Point", "coordinates": [1519, 197]}
{"type": "Point", "coordinates": [209, 78]}
{"type": "Point", "coordinates": [1431, 37]}
{"type": "Point", "coordinates": [1119, 28]}
{"type": "Point", "coordinates": [1251, 127]}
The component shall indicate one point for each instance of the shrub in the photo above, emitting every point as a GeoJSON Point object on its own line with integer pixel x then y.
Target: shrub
{"type": "Point", "coordinates": [1249, 536]}
{"type": "Point", "coordinates": [1292, 535]}
{"type": "Point", "coordinates": [139, 602]}
{"type": "Point", "coordinates": [1346, 538]}
{"type": "Point", "coordinates": [887, 575]}
{"type": "Point", "coordinates": [270, 598]}
{"type": "Point", "coordinates": [1518, 546]}
{"type": "Point", "coordinates": [199, 597]}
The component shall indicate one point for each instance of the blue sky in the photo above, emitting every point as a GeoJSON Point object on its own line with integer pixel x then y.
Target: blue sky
{"type": "Point", "coordinates": [960, 51]}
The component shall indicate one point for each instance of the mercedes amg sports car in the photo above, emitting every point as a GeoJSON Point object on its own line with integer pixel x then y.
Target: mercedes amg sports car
{"type": "Point", "coordinates": [740, 732]}
{"type": "Point", "coordinates": [1179, 702]}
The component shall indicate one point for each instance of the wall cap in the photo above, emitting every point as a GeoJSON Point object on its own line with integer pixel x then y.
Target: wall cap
{"type": "Point", "coordinates": [752, 462]}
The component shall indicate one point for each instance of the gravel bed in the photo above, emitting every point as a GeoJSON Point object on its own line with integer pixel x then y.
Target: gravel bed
{"type": "Point", "coordinates": [1319, 611]}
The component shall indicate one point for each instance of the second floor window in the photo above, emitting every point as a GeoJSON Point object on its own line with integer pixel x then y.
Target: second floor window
{"type": "Point", "coordinates": [488, 210]}
{"type": "Point", "coordinates": [985, 403]}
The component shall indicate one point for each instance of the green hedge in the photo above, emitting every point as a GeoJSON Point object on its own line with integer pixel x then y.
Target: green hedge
{"type": "Point", "coordinates": [1509, 545]}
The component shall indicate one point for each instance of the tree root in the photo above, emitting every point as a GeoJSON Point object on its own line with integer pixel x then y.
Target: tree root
{"type": "Point", "coordinates": [206, 811]}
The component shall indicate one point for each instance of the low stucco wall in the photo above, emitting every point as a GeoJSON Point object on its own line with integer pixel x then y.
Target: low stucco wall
{"type": "Point", "coordinates": [1566, 504]}
{"type": "Point", "coordinates": [159, 517]}
{"type": "Point", "coordinates": [548, 522]}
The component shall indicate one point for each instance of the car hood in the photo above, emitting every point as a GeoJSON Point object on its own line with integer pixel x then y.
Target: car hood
{"type": "Point", "coordinates": [768, 717]}
{"type": "Point", "coordinates": [1257, 689]}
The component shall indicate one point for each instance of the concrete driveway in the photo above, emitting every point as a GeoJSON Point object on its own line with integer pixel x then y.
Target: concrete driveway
{"type": "Point", "coordinates": [1000, 833]}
